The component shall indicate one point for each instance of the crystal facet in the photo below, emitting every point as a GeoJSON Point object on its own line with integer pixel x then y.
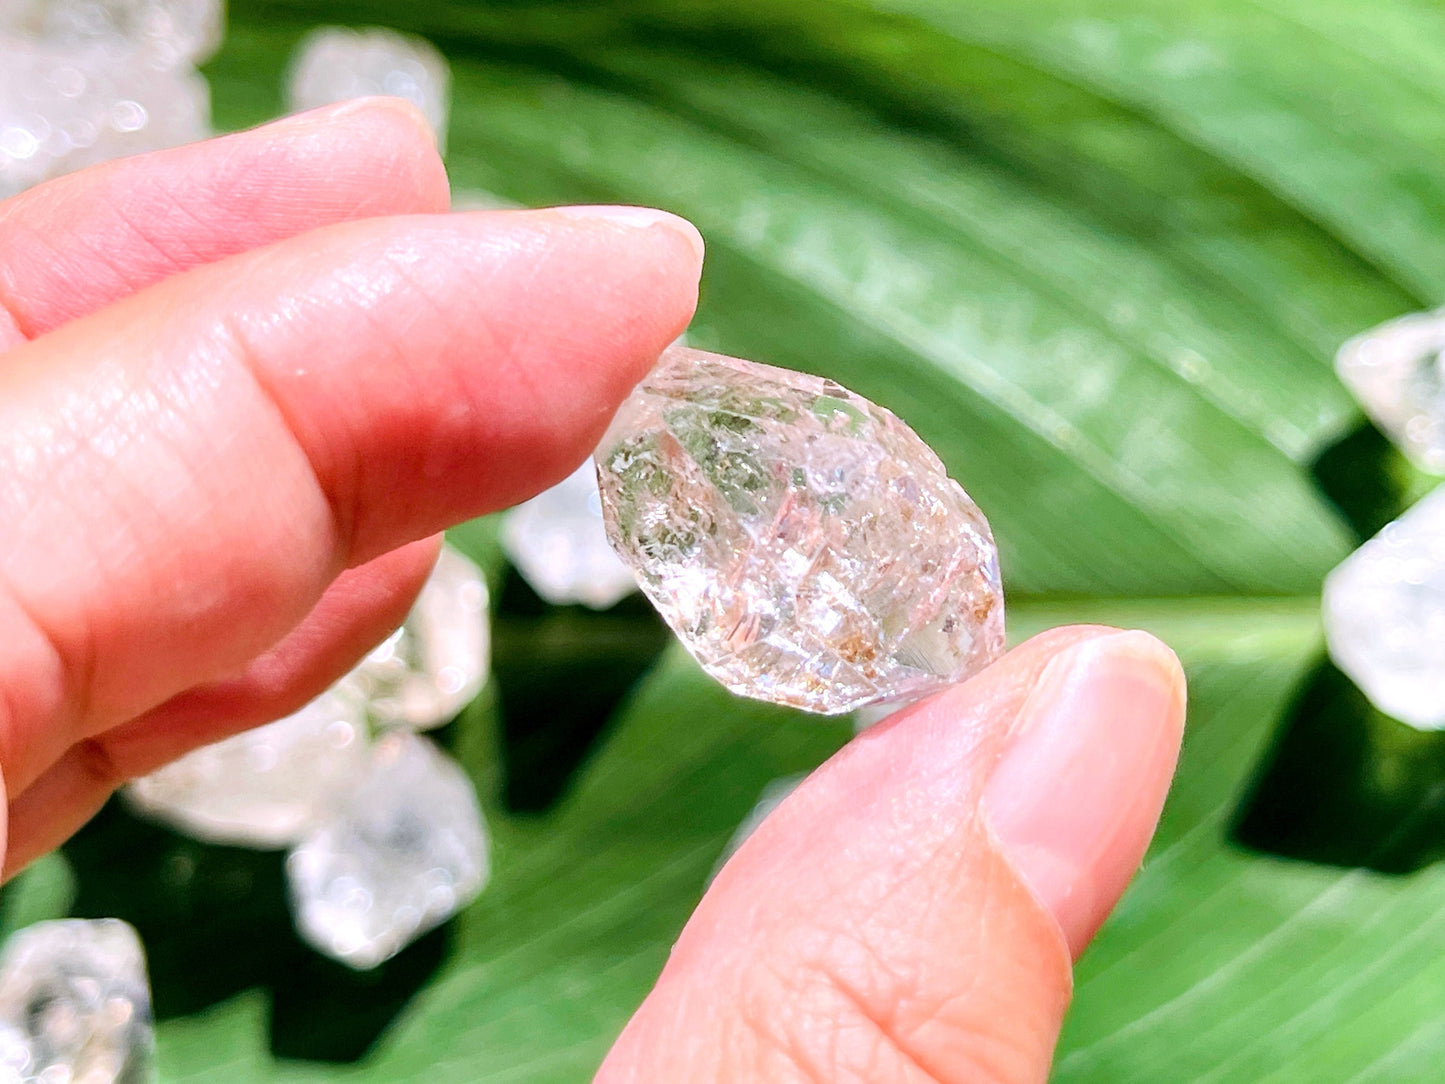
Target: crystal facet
{"type": "Point", "coordinates": [265, 787]}
{"type": "Point", "coordinates": [806, 546]}
{"type": "Point", "coordinates": [1384, 613]}
{"type": "Point", "coordinates": [401, 852]}
{"type": "Point", "coordinates": [63, 109]}
{"type": "Point", "coordinates": [436, 663]}
{"type": "Point", "coordinates": [1397, 372]}
{"type": "Point", "coordinates": [559, 545]}
{"type": "Point", "coordinates": [75, 1007]}
{"type": "Point", "coordinates": [334, 64]}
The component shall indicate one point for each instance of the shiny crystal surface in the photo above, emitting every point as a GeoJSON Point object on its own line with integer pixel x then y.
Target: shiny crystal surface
{"type": "Point", "coordinates": [400, 853]}
{"type": "Point", "coordinates": [75, 1007]}
{"type": "Point", "coordinates": [436, 663]}
{"type": "Point", "coordinates": [805, 545]}
{"type": "Point", "coordinates": [153, 33]}
{"type": "Point", "coordinates": [62, 109]}
{"type": "Point", "coordinates": [265, 787]}
{"type": "Point", "coordinates": [333, 64]}
{"type": "Point", "coordinates": [1397, 372]}
{"type": "Point", "coordinates": [1384, 613]}
{"type": "Point", "coordinates": [559, 545]}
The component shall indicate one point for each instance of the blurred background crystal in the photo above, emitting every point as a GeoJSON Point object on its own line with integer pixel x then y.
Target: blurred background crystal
{"type": "Point", "coordinates": [334, 64]}
{"type": "Point", "coordinates": [771, 797]}
{"type": "Point", "coordinates": [436, 663]}
{"type": "Point", "coordinates": [558, 543]}
{"type": "Point", "coordinates": [62, 109]}
{"type": "Point", "coordinates": [265, 787]}
{"type": "Point", "coordinates": [1397, 372]}
{"type": "Point", "coordinates": [75, 1007]}
{"type": "Point", "coordinates": [1384, 614]}
{"type": "Point", "coordinates": [400, 853]}
{"type": "Point", "coordinates": [151, 33]}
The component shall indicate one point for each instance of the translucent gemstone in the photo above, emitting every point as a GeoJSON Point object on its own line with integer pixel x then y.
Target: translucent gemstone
{"type": "Point", "coordinates": [868, 717]}
{"type": "Point", "coordinates": [158, 33]}
{"type": "Point", "coordinates": [1397, 372]}
{"type": "Point", "coordinates": [265, 787]}
{"type": "Point", "coordinates": [805, 544]}
{"type": "Point", "coordinates": [436, 663]}
{"type": "Point", "coordinates": [333, 64]}
{"type": "Point", "coordinates": [75, 1007]}
{"type": "Point", "coordinates": [401, 852]}
{"type": "Point", "coordinates": [62, 110]}
{"type": "Point", "coordinates": [1384, 613]}
{"type": "Point", "coordinates": [559, 545]}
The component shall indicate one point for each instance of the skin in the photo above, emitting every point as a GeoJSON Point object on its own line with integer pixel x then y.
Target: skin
{"type": "Point", "coordinates": [242, 387]}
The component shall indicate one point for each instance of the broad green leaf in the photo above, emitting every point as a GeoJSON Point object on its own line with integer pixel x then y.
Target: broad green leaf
{"type": "Point", "coordinates": [1099, 253]}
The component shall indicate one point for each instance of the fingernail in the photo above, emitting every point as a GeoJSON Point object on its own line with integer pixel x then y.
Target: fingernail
{"type": "Point", "coordinates": [1074, 800]}
{"type": "Point", "coordinates": [637, 218]}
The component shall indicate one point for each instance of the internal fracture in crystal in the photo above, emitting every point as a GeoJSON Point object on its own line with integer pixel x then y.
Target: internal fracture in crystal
{"type": "Point", "coordinates": [334, 64]}
{"type": "Point", "coordinates": [425, 672]}
{"type": "Point", "coordinates": [75, 1006]}
{"type": "Point", "coordinates": [558, 543]}
{"type": "Point", "coordinates": [1384, 615]}
{"type": "Point", "coordinates": [265, 787]}
{"type": "Point", "coordinates": [1397, 372]}
{"type": "Point", "coordinates": [805, 545]}
{"type": "Point", "coordinates": [399, 854]}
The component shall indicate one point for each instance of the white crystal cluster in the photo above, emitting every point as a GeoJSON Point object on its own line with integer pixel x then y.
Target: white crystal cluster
{"type": "Point", "coordinates": [1384, 606]}
{"type": "Point", "coordinates": [804, 544]}
{"type": "Point", "coordinates": [387, 838]}
{"type": "Point", "coordinates": [85, 81]}
{"type": "Point", "coordinates": [334, 64]}
{"type": "Point", "coordinates": [75, 1007]}
{"type": "Point", "coordinates": [559, 545]}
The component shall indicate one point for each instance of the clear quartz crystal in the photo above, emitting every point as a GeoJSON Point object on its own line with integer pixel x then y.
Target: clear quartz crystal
{"type": "Point", "coordinates": [436, 663]}
{"type": "Point", "coordinates": [333, 64]}
{"type": "Point", "coordinates": [1384, 614]}
{"type": "Point", "coordinates": [265, 787]}
{"type": "Point", "coordinates": [1397, 372]}
{"type": "Point", "coordinates": [805, 545]}
{"type": "Point", "coordinates": [559, 545]}
{"type": "Point", "coordinates": [155, 33]}
{"type": "Point", "coordinates": [400, 853]}
{"type": "Point", "coordinates": [75, 1007]}
{"type": "Point", "coordinates": [62, 109]}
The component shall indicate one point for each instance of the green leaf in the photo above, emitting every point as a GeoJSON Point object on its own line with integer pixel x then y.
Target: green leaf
{"type": "Point", "coordinates": [1099, 253]}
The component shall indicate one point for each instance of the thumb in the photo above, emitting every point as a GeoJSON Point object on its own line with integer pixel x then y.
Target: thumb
{"type": "Point", "coordinates": [910, 912]}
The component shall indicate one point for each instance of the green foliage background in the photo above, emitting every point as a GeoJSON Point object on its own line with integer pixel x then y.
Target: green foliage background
{"type": "Point", "coordinates": [1099, 253]}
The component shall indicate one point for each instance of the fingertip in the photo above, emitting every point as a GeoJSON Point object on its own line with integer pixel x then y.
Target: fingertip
{"type": "Point", "coordinates": [1073, 801]}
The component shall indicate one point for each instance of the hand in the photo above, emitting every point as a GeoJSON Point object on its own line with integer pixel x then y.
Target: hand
{"type": "Point", "coordinates": [910, 913]}
{"type": "Point", "coordinates": [236, 401]}
{"type": "Point", "coordinates": [241, 386]}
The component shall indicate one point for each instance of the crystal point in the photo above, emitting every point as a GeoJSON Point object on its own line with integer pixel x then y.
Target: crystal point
{"type": "Point", "coordinates": [400, 853]}
{"type": "Point", "coordinates": [436, 663]}
{"type": "Point", "coordinates": [559, 545]}
{"type": "Point", "coordinates": [75, 1005]}
{"type": "Point", "coordinates": [1384, 614]}
{"type": "Point", "coordinates": [1397, 372]}
{"type": "Point", "coordinates": [264, 787]}
{"type": "Point", "coordinates": [806, 546]}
